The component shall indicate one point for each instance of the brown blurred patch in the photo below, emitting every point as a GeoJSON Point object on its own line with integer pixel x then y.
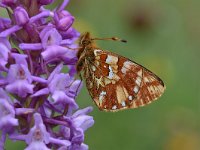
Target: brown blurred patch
{"type": "Point", "coordinates": [142, 15]}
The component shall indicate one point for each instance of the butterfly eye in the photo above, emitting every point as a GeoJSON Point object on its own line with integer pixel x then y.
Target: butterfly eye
{"type": "Point", "coordinates": [85, 42]}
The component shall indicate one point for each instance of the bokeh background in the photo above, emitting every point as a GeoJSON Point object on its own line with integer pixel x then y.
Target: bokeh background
{"type": "Point", "coordinates": [164, 36]}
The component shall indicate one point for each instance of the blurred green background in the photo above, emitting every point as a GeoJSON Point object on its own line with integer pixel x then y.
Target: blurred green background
{"type": "Point", "coordinates": [164, 36]}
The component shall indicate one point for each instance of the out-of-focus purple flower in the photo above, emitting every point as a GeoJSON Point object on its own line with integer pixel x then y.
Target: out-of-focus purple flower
{"type": "Point", "coordinates": [36, 45]}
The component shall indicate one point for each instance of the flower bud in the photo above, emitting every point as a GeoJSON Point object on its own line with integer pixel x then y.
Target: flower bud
{"type": "Point", "coordinates": [21, 16]}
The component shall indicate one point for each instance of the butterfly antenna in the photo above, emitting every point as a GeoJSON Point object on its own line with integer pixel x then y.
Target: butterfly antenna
{"type": "Point", "coordinates": [112, 38]}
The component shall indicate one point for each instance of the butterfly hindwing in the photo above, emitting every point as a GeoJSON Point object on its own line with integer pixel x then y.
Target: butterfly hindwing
{"type": "Point", "coordinates": [117, 83]}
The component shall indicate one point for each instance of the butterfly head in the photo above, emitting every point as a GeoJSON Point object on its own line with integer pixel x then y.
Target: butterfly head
{"type": "Point", "coordinates": [85, 39]}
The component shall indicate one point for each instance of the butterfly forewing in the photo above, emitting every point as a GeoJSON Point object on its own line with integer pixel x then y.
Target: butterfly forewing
{"type": "Point", "coordinates": [117, 83]}
{"type": "Point", "coordinates": [113, 81]}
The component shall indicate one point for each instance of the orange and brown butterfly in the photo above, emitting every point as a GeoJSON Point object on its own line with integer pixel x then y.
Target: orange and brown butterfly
{"type": "Point", "coordinates": [113, 81]}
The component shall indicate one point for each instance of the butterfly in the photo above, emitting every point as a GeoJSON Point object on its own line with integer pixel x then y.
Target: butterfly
{"type": "Point", "coordinates": [113, 81]}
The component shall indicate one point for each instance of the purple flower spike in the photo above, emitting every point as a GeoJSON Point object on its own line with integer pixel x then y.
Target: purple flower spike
{"type": "Point", "coordinates": [21, 16]}
{"type": "Point", "coordinates": [36, 95]}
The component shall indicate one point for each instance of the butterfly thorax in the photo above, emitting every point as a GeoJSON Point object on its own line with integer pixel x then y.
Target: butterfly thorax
{"type": "Point", "coordinates": [86, 51]}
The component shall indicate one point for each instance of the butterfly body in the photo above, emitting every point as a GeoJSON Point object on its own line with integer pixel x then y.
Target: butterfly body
{"type": "Point", "coordinates": [113, 81]}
